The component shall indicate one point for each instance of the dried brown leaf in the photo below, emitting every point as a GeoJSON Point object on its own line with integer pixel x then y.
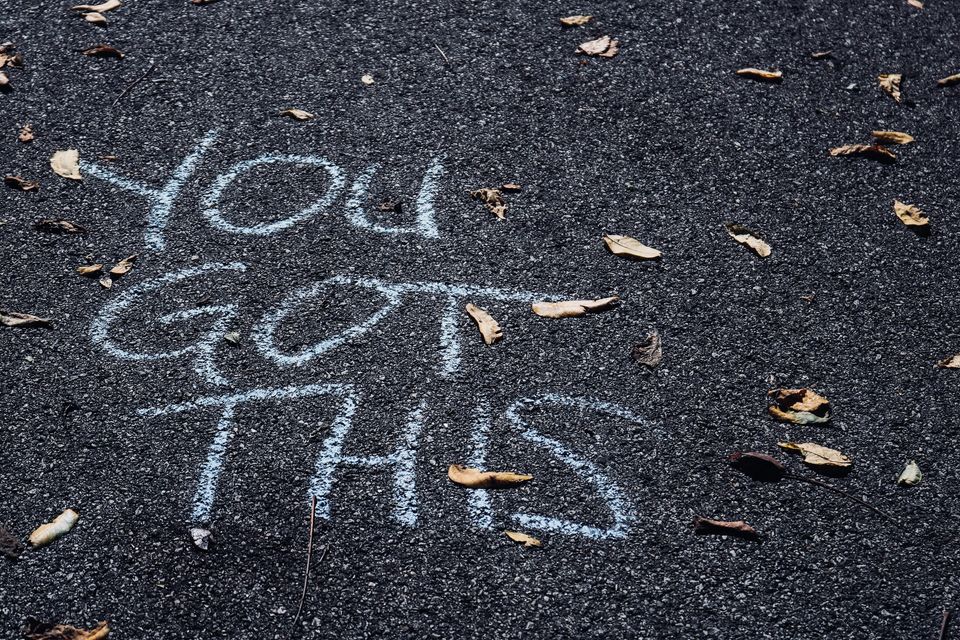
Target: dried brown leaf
{"type": "Point", "coordinates": [799, 406]}
{"type": "Point", "coordinates": [890, 82]}
{"type": "Point", "coordinates": [476, 479]}
{"type": "Point", "coordinates": [4, 79]}
{"type": "Point", "coordinates": [708, 526]}
{"type": "Point", "coordinates": [66, 163]}
{"type": "Point", "coordinates": [760, 74]}
{"type": "Point", "coordinates": [123, 267]}
{"type": "Point", "coordinates": [10, 546]}
{"type": "Point", "coordinates": [575, 21]}
{"type": "Point", "coordinates": [627, 247]}
{"type": "Point", "coordinates": [821, 55]}
{"type": "Point", "coordinates": [817, 455]}
{"type": "Point", "coordinates": [89, 269]}
{"type": "Point", "coordinates": [953, 362]}
{"type": "Point", "coordinates": [910, 215]}
{"type": "Point", "coordinates": [648, 352]}
{"type": "Point", "coordinates": [106, 281]}
{"type": "Point", "coordinates": [527, 541]}
{"type": "Point", "coordinates": [297, 114]}
{"type": "Point", "coordinates": [109, 5]}
{"type": "Point", "coordinates": [16, 182]}
{"type": "Point", "coordinates": [604, 47]}
{"type": "Point", "coordinates": [16, 319]}
{"type": "Point", "coordinates": [489, 328]}
{"type": "Point", "coordinates": [572, 308]}
{"type": "Point", "coordinates": [510, 187]}
{"type": "Point", "coordinates": [758, 466]}
{"type": "Point", "coordinates": [47, 533]}
{"type": "Point", "coordinates": [96, 18]}
{"type": "Point", "coordinates": [915, 3]}
{"type": "Point", "coordinates": [748, 238]}
{"type": "Point", "coordinates": [872, 151]}
{"type": "Point", "coordinates": [949, 80]}
{"type": "Point", "coordinates": [58, 225]}
{"type": "Point", "coordinates": [26, 134]}
{"type": "Point", "coordinates": [493, 198]}
{"type": "Point", "coordinates": [893, 137]}
{"type": "Point", "coordinates": [103, 51]}
{"type": "Point", "coordinates": [36, 630]}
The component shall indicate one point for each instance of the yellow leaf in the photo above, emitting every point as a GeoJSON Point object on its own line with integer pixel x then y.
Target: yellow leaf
{"type": "Point", "coordinates": [949, 80]}
{"type": "Point", "coordinates": [489, 328]}
{"type": "Point", "coordinates": [748, 238]}
{"type": "Point", "coordinates": [575, 21]}
{"type": "Point", "coordinates": [799, 406]}
{"type": "Point", "coordinates": [910, 215]}
{"type": "Point", "coordinates": [890, 82]}
{"type": "Point", "coordinates": [297, 114]}
{"type": "Point", "coordinates": [873, 151]}
{"type": "Point", "coordinates": [66, 164]}
{"type": "Point", "coordinates": [47, 533]}
{"type": "Point", "coordinates": [627, 247]}
{"type": "Point", "coordinates": [761, 74]}
{"type": "Point", "coordinates": [572, 308]}
{"type": "Point", "coordinates": [109, 5]}
{"type": "Point", "coordinates": [476, 479]}
{"type": "Point", "coordinates": [817, 455]}
{"type": "Point", "coordinates": [528, 541]}
{"type": "Point", "coordinates": [893, 137]}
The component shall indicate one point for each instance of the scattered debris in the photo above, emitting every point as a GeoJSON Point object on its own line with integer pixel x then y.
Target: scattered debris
{"type": "Point", "coordinates": [910, 215]}
{"type": "Point", "coordinates": [390, 206]}
{"type": "Point", "coordinates": [201, 538]}
{"type": "Point", "coordinates": [872, 151]}
{"type": "Point", "coordinates": [572, 308]}
{"type": "Point", "coordinates": [36, 630]}
{"type": "Point", "coordinates": [575, 21]}
{"type": "Point", "coordinates": [760, 74]}
{"type": "Point", "coordinates": [708, 526]}
{"type": "Point", "coordinates": [817, 455]}
{"type": "Point", "coordinates": [109, 5]}
{"type": "Point", "coordinates": [297, 114]}
{"type": "Point", "coordinates": [232, 337]}
{"type": "Point", "coordinates": [911, 475]}
{"type": "Point", "coordinates": [58, 225]}
{"type": "Point", "coordinates": [893, 137]}
{"type": "Point", "coordinates": [890, 82]}
{"type": "Point", "coordinates": [949, 80]}
{"type": "Point", "coordinates": [26, 134]}
{"type": "Point", "coordinates": [748, 238]}
{"type": "Point", "coordinates": [90, 269]}
{"type": "Point", "coordinates": [47, 533]}
{"type": "Point", "coordinates": [648, 351]}
{"type": "Point", "coordinates": [604, 47]}
{"type": "Point", "coordinates": [528, 541]}
{"type": "Point", "coordinates": [952, 362]}
{"type": "Point", "coordinates": [489, 328]}
{"type": "Point", "coordinates": [66, 164]}
{"type": "Point", "coordinates": [16, 182]}
{"type": "Point", "coordinates": [103, 51]}
{"type": "Point", "coordinates": [476, 479]}
{"type": "Point", "coordinates": [367, 79]}
{"type": "Point", "coordinates": [493, 198]}
{"type": "Point", "coordinates": [627, 247]}
{"type": "Point", "coordinates": [10, 546]}
{"type": "Point", "coordinates": [799, 406]}
{"type": "Point", "coordinates": [758, 466]}
{"type": "Point", "coordinates": [306, 573]}
{"type": "Point", "coordinates": [16, 319]}
{"type": "Point", "coordinates": [130, 86]}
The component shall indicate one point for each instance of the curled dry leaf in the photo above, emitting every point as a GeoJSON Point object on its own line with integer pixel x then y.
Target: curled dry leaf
{"type": "Point", "coordinates": [910, 215]}
{"type": "Point", "coordinates": [915, 4]}
{"type": "Point", "coordinates": [890, 82]}
{"type": "Point", "coordinates": [821, 55]}
{"type": "Point", "coordinates": [367, 79]}
{"type": "Point", "coordinates": [627, 247]}
{"type": "Point", "coordinates": [58, 225]}
{"type": "Point", "coordinates": [761, 74]}
{"type": "Point", "coordinates": [123, 267]}
{"type": "Point", "coordinates": [36, 630]}
{"type": "Point", "coordinates": [90, 269]}
{"type": "Point", "coordinates": [16, 319]}
{"type": "Point", "coordinates": [604, 47]}
{"type": "Point", "coordinates": [748, 238]}
{"type": "Point", "coordinates": [911, 475]}
{"type": "Point", "coordinates": [949, 80]}
{"type": "Point", "coordinates": [575, 21]}
{"type": "Point", "coordinates": [649, 351]}
{"type": "Point", "coordinates": [893, 137]}
{"type": "Point", "coordinates": [572, 308]}
{"type": "Point", "coordinates": [96, 18]}
{"type": "Point", "coordinates": [527, 541]}
{"type": "Point", "coordinates": [953, 362]}
{"type": "Point", "coordinates": [10, 546]}
{"type": "Point", "coordinates": [106, 281]}
{"type": "Point", "coordinates": [817, 455]}
{"type": "Point", "coordinates": [489, 328]}
{"type": "Point", "coordinates": [201, 538]}
{"type": "Point", "coordinates": [16, 182]}
{"type": "Point", "coordinates": [26, 134]}
{"type": "Point", "coordinates": [510, 187]}
{"type": "Point", "coordinates": [66, 163]}
{"type": "Point", "coordinates": [103, 51]}
{"type": "Point", "coordinates": [297, 114]}
{"type": "Point", "coordinates": [799, 406]}
{"type": "Point", "coordinates": [758, 466]}
{"type": "Point", "coordinates": [493, 198]}
{"type": "Point", "coordinates": [47, 533]}
{"type": "Point", "coordinates": [109, 5]}
{"type": "Point", "coordinates": [476, 479]}
{"type": "Point", "coordinates": [872, 151]}
{"type": "Point", "coordinates": [708, 526]}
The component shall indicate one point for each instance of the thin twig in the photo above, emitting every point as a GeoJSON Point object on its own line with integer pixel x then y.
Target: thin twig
{"type": "Point", "coordinates": [945, 624]}
{"type": "Point", "coordinates": [153, 65]}
{"type": "Point", "coordinates": [445, 58]}
{"type": "Point", "coordinates": [819, 483]}
{"type": "Point", "coordinates": [306, 575]}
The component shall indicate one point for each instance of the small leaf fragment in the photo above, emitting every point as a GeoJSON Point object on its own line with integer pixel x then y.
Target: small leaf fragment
{"type": "Point", "coordinates": [10, 546]}
{"type": "Point", "coordinates": [893, 137]}
{"type": "Point", "coordinates": [36, 630]}
{"type": "Point", "coordinates": [96, 18]}
{"type": "Point", "coordinates": [232, 337]}
{"type": "Point", "coordinates": [367, 79]}
{"type": "Point", "coordinates": [575, 21]}
{"type": "Point", "coordinates": [17, 319]}
{"type": "Point", "coordinates": [799, 406]}
{"type": "Point", "coordinates": [527, 541]}
{"type": "Point", "coordinates": [915, 4]}
{"type": "Point", "coordinates": [489, 328]}
{"type": "Point", "coordinates": [297, 114]}
{"type": "Point", "coordinates": [758, 466]}
{"type": "Point", "coordinates": [123, 267]}
{"type": "Point", "coordinates": [821, 55]}
{"type": "Point", "coordinates": [47, 533]}
{"type": "Point", "coordinates": [911, 475]}
{"type": "Point", "coordinates": [817, 455]}
{"type": "Point", "coordinates": [572, 308]}
{"type": "Point", "coordinates": [510, 187]}
{"type": "Point", "coordinates": [627, 247]}
{"type": "Point", "coordinates": [748, 238]}
{"type": "Point", "coordinates": [103, 51]}
{"type": "Point", "coordinates": [761, 74]}
{"type": "Point", "coordinates": [16, 182]}
{"type": "Point", "coordinates": [952, 362]}
{"type": "Point", "coordinates": [201, 538]}
{"type": "Point", "coordinates": [476, 479]}
{"type": "Point", "coordinates": [90, 269]}
{"type": "Point", "coordinates": [890, 82]}
{"type": "Point", "coordinates": [109, 5]}
{"type": "Point", "coordinates": [58, 225]}
{"type": "Point", "coordinates": [872, 151]}
{"type": "Point", "coordinates": [493, 198]}
{"type": "Point", "coordinates": [604, 47]}
{"type": "Point", "coordinates": [4, 79]}
{"type": "Point", "coordinates": [649, 351]}
{"type": "Point", "coordinates": [26, 134]}
{"type": "Point", "coordinates": [66, 164]}
{"type": "Point", "coordinates": [708, 526]}
{"type": "Point", "coordinates": [910, 215]}
{"type": "Point", "coordinates": [949, 80]}
{"type": "Point", "coordinates": [106, 281]}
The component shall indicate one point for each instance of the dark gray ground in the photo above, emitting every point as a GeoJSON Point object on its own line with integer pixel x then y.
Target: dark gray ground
{"type": "Point", "coordinates": [662, 142]}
